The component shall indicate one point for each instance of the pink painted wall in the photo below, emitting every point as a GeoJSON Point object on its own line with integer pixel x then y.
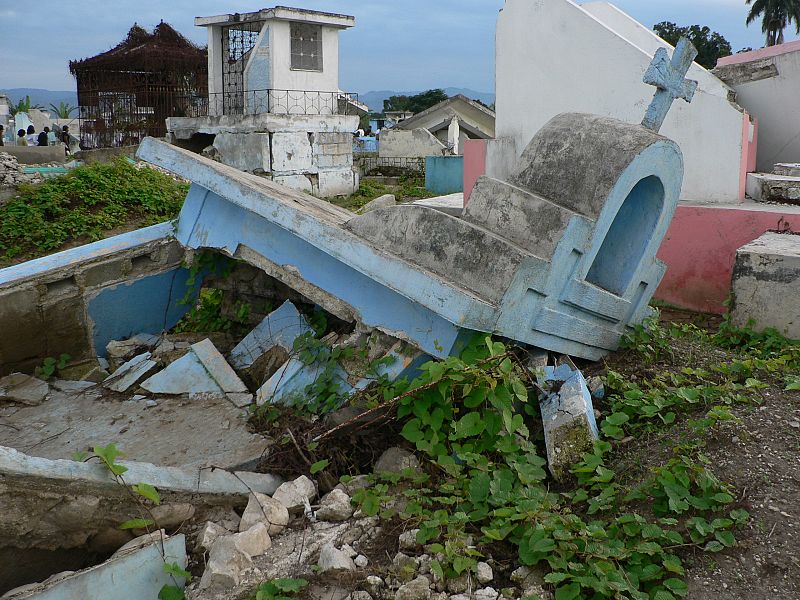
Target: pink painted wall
{"type": "Point", "coordinates": [474, 164]}
{"type": "Point", "coordinates": [749, 152]}
{"type": "Point", "coordinates": [700, 250]}
{"type": "Point", "coordinates": [768, 52]}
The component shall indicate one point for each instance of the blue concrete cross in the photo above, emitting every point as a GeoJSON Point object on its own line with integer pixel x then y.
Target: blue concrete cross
{"type": "Point", "coordinates": [668, 77]}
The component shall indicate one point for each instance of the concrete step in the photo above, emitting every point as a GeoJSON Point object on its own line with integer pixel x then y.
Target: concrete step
{"type": "Point", "coordinates": [769, 187]}
{"type": "Point", "coordinates": [788, 169]}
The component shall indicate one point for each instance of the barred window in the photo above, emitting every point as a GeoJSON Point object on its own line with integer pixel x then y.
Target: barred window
{"type": "Point", "coordinates": [306, 46]}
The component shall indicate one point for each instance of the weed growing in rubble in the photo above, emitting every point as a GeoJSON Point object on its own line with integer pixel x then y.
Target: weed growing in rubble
{"type": "Point", "coordinates": [50, 366]}
{"type": "Point", "coordinates": [145, 495]}
{"type": "Point", "coordinates": [279, 589]}
{"type": "Point", "coordinates": [85, 204]}
{"type": "Point", "coordinates": [595, 537]}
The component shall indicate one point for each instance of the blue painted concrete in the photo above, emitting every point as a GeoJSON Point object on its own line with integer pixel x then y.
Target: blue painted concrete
{"type": "Point", "coordinates": [280, 328]}
{"type": "Point", "coordinates": [668, 77]}
{"type": "Point", "coordinates": [444, 174]}
{"type": "Point", "coordinates": [365, 144]}
{"type": "Point", "coordinates": [225, 225]}
{"type": "Point", "coordinates": [258, 77]}
{"type": "Point", "coordinates": [547, 299]}
{"type": "Point", "coordinates": [133, 576]}
{"type": "Point", "coordinates": [573, 396]}
{"type": "Point", "coordinates": [125, 241]}
{"type": "Point", "coordinates": [627, 239]}
{"type": "Point", "coordinates": [151, 304]}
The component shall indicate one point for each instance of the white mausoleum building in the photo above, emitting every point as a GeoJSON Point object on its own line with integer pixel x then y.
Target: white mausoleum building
{"type": "Point", "coordinates": [274, 106]}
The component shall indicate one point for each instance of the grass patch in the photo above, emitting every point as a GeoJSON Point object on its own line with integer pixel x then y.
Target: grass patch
{"type": "Point", "coordinates": [410, 188]}
{"type": "Point", "coordinates": [84, 206]}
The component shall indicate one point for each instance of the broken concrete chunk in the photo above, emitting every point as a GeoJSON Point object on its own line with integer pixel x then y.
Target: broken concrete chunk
{"type": "Point", "coordinates": [208, 534]}
{"type": "Point", "coordinates": [155, 537]}
{"type": "Point", "coordinates": [294, 495]}
{"type": "Point", "coordinates": [225, 565]}
{"type": "Point", "coordinates": [254, 541]}
{"type": "Point", "coordinates": [130, 373]}
{"type": "Point", "coordinates": [124, 350]}
{"type": "Point", "coordinates": [263, 509]}
{"type": "Point", "coordinates": [568, 418]}
{"type": "Point", "coordinates": [63, 503]}
{"type": "Point", "coordinates": [331, 559]}
{"type": "Point", "coordinates": [379, 202]}
{"type": "Point", "coordinates": [335, 506]}
{"type": "Point", "coordinates": [71, 387]}
{"type": "Point", "coordinates": [172, 514]}
{"type": "Point", "coordinates": [132, 576]}
{"type": "Point", "coordinates": [396, 460]}
{"type": "Point", "coordinates": [186, 375]}
{"type": "Point", "coordinates": [203, 370]}
{"type": "Point", "coordinates": [419, 589]}
{"type": "Point", "coordinates": [96, 375]}
{"type": "Point", "coordinates": [280, 328]}
{"type": "Point", "coordinates": [23, 389]}
{"type": "Point", "coordinates": [218, 367]}
{"type": "Point", "coordinates": [288, 384]}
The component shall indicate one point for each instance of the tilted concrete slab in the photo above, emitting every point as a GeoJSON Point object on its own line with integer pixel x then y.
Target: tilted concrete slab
{"type": "Point", "coordinates": [280, 328]}
{"type": "Point", "coordinates": [562, 256]}
{"type": "Point", "coordinates": [52, 504]}
{"type": "Point", "coordinates": [131, 576]}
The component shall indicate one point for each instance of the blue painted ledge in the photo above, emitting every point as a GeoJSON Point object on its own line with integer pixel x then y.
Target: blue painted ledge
{"type": "Point", "coordinates": [97, 249]}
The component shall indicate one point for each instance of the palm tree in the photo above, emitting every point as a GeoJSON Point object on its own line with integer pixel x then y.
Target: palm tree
{"type": "Point", "coordinates": [777, 16]}
{"type": "Point", "coordinates": [63, 110]}
{"type": "Point", "coordinates": [23, 105]}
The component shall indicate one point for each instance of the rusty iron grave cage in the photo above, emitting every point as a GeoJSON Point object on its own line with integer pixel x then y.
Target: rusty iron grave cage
{"type": "Point", "coordinates": [127, 93]}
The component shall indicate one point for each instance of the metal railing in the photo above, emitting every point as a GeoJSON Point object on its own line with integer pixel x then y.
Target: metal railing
{"type": "Point", "coordinates": [374, 165]}
{"type": "Point", "coordinates": [281, 102]}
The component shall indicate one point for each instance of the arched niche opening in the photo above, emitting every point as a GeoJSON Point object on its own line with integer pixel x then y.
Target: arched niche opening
{"type": "Point", "coordinates": [627, 239]}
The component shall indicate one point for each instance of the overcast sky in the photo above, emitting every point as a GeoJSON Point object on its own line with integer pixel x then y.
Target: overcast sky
{"type": "Point", "coordinates": [396, 44]}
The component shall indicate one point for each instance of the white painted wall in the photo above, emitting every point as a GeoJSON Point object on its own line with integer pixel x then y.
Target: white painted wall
{"type": "Point", "coordinates": [414, 143]}
{"type": "Point", "coordinates": [776, 103]}
{"type": "Point", "coordinates": [552, 56]}
{"type": "Point", "coordinates": [284, 78]}
{"type": "Point", "coordinates": [214, 69]}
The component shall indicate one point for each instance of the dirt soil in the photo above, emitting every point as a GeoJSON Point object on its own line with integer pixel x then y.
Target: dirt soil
{"type": "Point", "coordinates": [760, 456]}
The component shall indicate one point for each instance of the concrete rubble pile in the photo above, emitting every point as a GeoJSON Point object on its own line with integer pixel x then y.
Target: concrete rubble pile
{"type": "Point", "coordinates": [12, 173]}
{"type": "Point", "coordinates": [150, 395]}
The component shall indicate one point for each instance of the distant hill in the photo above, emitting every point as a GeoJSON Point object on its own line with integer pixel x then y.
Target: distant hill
{"type": "Point", "coordinates": [42, 97]}
{"type": "Point", "coordinates": [375, 99]}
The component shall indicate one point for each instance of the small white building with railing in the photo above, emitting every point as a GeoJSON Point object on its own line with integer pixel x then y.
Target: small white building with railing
{"type": "Point", "coordinates": [274, 106]}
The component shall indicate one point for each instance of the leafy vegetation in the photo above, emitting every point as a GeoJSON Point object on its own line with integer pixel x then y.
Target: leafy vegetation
{"type": "Point", "coordinates": [408, 189]}
{"type": "Point", "coordinates": [711, 46]}
{"type": "Point", "coordinates": [145, 496]}
{"type": "Point", "coordinates": [416, 103]}
{"type": "Point", "coordinates": [50, 366]}
{"type": "Point", "coordinates": [84, 205]}
{"type": "Point", "coordinates": [23, 105]}
{"type": "Point", "coordinates": [776, 15]}
{"type": "Point", "coordinates": [614, 530]}
{"type": "Point", "coordinates": [279, 589]}
{"type": "Point", "coordinates": [63, 110]}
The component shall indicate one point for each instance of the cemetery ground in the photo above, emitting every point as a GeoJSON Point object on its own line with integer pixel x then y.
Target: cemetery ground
{"type": "Point", "coordinates": [691, 492]}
